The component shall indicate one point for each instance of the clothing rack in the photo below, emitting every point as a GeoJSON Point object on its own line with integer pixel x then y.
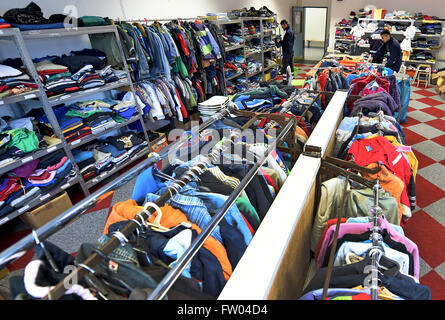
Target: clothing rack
{"type": "Point", "coordinates": [163, 287]}
{"type": "Point", "coordinates": [21, 247]}
{"type": "Point", "coordinates": [154, 20]}
{"type": "Point", "coordinates": [122, 236]}
{"type": "Point", "coordinates": [377, 240]}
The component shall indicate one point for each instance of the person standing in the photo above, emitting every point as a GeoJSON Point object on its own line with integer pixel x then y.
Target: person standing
{"type": "Point", "coordinates": [390, 44]}
{"type": "Point", "coordinates": [287, 44]}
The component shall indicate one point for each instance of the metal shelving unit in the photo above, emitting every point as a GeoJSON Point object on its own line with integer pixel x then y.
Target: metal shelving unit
{"type": "Point", "coordinates": [263, 33]}
{"type": "Point", "coordinates": [19, 37]}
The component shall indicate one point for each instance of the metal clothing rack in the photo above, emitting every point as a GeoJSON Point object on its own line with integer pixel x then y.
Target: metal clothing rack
{"type": "Point", "coordinates": [21, 247]}
{"type": "Point", "coordinates": [377, 242]}
{"type": "Point", "coordinates": [121, 236]}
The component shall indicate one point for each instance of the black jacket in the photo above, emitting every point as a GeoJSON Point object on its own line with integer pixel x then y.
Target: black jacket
{"type": "Point", "coordinates": [288, 43]}
{"type": "Point", "coordinates": [395, 54]}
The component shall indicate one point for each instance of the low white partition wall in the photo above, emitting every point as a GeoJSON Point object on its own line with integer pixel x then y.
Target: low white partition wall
{"type": "Point", "coordinates": [275, 265]}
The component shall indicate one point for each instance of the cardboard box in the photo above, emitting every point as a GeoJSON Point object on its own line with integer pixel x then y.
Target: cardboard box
{"type": "Point", "coordinates": [47, 212]}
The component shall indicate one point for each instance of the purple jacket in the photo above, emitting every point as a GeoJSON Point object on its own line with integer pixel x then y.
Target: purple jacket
{"type": "Point", "coordinates": [374, 101]}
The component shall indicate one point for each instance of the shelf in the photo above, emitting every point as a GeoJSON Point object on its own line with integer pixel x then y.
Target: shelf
{"type": "Point", "coordinates": [54, 101]}
{"type": "Point", "coordinates": [346, 40]}
{"type": "Point", "coordinates": [270, 67]}
{"type": "Point", "coordinates": [252, 53]}
{"type": "Point", "coordinates": [235, 76]}
{"type": "Point", "coordinates": [251, 36]}
{"type": "Point", "coordinates": [106, 174]}
{"type": "Point", "coordinates": [254, 74]}
{"type": "Point", "coordinates": [64, 32]}
{"type": "Point", "coordinates": [231, 48]}
{"type": "Point", "coordinates": [29, 157]}
{"type": "Point", "coordinates": [91, 137]}
{"type": "Point", "coordinates": [220, 22]}
{"type": "Point", "coordinates": [386, 20]}
{"type": "Point", "coordinates": [420, 61]}
{"type": "Point", "coordinates": [428, 35]}
{"type": "Point", "coordinates": [19, 97]}
{"type": "Point", "coordinates": [39, 200]}
{"type": "Point", "coordinates": [425, 49]}
{"type": "Point", "coordinates": [9, 32]}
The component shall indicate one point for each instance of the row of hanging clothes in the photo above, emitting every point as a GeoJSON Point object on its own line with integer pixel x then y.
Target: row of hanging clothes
{"type": "Point", "coordinates": [361, 214]}
{"type": "Point", "coordinates": [277, 98]}
{"type": "Point", "coordinates": [174, 65]}
{"type": "Point", "coordinates": [376, 86]}
{"type": "Point", "coordinates": [181, 200]}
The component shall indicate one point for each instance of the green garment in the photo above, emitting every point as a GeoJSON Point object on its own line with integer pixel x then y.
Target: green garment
{"type": "Point", "coordinates": [65, 75]}
{"type": "Point", "coordinates": [247, 209]}
{"type": "Point", "coordinates": [23, 139]}
{"type": "Point", "coordinates": [118, 119]}
{"type": "Point", "coordinates": [179, 67]}
{"type": "Point", "coordinates": [90, 21]}
{"type": "Point", "coordinates": [75, 113]}
{"type": "Point", "coordinates": [192, 100]}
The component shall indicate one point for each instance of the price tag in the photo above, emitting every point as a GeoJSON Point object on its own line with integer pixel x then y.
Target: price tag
{"type": "Point", "coordinates": [46, 196]}
{"type": "Point", "coordinates": [4, 220]}
{"type": "Point", "coordinates": [30, 96]}
{"type": "Point", "coordinates": [65, 97]}
{"type": "Point", "coordinates": [1, 102]}
{"type": "Point", "coordinates": [65, 186]}
{"type": "Point", "coordinates": [95, 180]}
{"type": "Point", "coordinates": [54, 148]}
{"type": "Point", "coordinates": [27, 159]}
{"type": "Point", "coordinates": [103, 174]}
{"type": "Point", "coordinates": [1, 32]}
{"type": "Point", "coordinates": [75, 142]}
{"type": "Point", "coordinates": [24, 208]}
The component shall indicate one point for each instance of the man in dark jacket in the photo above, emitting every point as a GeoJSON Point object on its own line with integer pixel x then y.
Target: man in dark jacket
{"type": "Point", "coordinates": [390, 44]}
{"type": "Point", "coordinates": [287, 44]}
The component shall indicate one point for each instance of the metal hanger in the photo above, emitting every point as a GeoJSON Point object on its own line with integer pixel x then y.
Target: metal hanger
{"type": "Point", "coordinates": [48, 256]}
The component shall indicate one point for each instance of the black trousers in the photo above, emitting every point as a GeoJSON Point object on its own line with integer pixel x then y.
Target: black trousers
{"type": "Point", "coordinates": [287, 61]}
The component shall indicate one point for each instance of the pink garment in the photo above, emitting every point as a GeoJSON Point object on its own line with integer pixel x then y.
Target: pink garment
{"type": "Point", "coordinates": [52, 174]}
{"type": "Point", "coordinates": [367, 91]}
{"type": "Point", "coordinates": [57, 166]}
{"type": "Point", "coordinates": [359, 228]}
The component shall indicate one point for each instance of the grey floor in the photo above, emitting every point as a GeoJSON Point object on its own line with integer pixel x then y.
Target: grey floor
{"type": "Point", "coordinates": [87, 229]}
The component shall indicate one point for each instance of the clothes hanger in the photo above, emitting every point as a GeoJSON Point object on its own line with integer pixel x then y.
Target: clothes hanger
{"type": "Point", "coordinates": [157, 223]}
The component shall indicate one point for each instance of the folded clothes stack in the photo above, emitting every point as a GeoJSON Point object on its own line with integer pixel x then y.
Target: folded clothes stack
{"type": "Point", "coordinates": [14, 81]}
{"type": "Point", "coordinates": [87, 78]}
{"type": "Point", "coordinates": [105, 154]}
{"type": "Point", "coordinates": [55, 77]}
{"type": "Point", "coordinates": [24, 184]}
{"type": "Point", "coordinates": [96, 114]}
{"type": "Point", "coordinates": [125, 109]}
{"type": "Point", "coordinates": [19, 137]}
{"type": "Point", "coordinates": [31, 18]}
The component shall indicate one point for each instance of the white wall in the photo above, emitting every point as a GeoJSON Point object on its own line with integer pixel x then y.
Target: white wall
{"type": "Point", "coordinates": [128, 9]}
{"type": "Point", "coordinates": [315, 24]}
{"type": "Point", "coordinates": [136, 9]}
{"type": "Point", "coordinates": [341, 9]}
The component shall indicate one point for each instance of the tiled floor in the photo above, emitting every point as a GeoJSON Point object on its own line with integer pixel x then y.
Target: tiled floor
{"type": "Point", "coordinates": [425, 132]}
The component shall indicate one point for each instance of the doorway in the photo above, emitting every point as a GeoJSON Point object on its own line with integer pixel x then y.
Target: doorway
{"type": "Point", "coordinates": [310, 25]}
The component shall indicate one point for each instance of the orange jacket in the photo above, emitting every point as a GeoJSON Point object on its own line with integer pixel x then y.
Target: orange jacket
{"type": "Point", "coordinates": [126, 210]}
